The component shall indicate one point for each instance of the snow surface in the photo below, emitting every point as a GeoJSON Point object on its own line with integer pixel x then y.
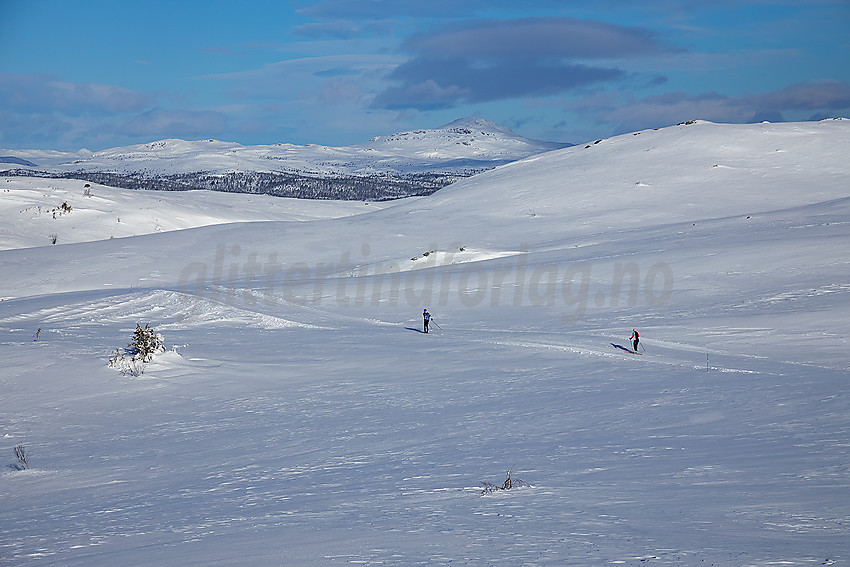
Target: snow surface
{"type": "Point", "coordinates": [31, 211]}
{"type": "Point", "coordinates": [300, 417]}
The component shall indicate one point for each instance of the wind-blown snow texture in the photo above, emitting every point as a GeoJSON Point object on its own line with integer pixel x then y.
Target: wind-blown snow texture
{"type": "Point", "coordinates": [300, 417]}
{"type": "Point", "coordinates": [387, 167]}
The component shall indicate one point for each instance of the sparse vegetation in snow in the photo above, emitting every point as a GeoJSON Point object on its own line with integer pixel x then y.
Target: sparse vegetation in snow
{"type": "Point", "coordinates": [509, 483]}
{"type": "Point", "coordinates": [22, 458]}
{"type": "Point", "coordinates": [145, 344]}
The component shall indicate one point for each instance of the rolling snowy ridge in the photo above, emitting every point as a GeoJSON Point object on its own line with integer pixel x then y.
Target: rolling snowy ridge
{"type": "Point", "coordinates": [389, 167]}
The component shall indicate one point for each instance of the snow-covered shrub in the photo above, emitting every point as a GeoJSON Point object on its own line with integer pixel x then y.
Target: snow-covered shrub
{"type": "Point", "coordinates": [141, 350]}
{"type": "Point", "coordinates": [146, 343]}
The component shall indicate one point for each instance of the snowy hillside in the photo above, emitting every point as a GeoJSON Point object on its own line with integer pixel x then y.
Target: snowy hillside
{"type": "Point", "coordinates": [409, 163]}
{"type": "Point", "coordinates": [35, 211]}
{"type": "Point", "coordinates": [300, 417]}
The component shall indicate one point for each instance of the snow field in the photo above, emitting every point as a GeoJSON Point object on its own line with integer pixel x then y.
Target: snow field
{"type": "Point", "coordinates": [276, 442]}
{"type": "Point", "coordinates": [27, 206]}
{"type": "Point", "coordinates": [300, 417]}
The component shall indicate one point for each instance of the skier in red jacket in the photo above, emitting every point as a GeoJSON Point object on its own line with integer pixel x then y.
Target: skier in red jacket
{"type": "Point", "coordinates": [635, 338]}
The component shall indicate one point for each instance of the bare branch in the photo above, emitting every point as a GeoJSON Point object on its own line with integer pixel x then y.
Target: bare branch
{"type": "Point", "coordinates": [23, 458]}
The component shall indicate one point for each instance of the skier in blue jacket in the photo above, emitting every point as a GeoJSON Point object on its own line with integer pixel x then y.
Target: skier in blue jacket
{"type": "Point", "coordinates": [427, 317]}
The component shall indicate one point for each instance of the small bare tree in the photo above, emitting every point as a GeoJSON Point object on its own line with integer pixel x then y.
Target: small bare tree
{"type": "Point", "coordinates": [22, 457]}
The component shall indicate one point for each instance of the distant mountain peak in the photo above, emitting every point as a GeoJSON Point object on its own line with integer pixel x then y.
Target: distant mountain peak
{"type": "Point", "coordinates": [469, 137]}
{"type": "Point", "coordinates": [476, 123]}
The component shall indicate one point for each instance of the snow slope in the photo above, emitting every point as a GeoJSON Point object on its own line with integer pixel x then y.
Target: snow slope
{"type": "Point", "coordinates": [31, 211]}
{"type": "Point", "coordinates": [302, 418]}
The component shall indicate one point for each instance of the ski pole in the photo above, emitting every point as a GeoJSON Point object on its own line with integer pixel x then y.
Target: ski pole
{"type": "Point", "coordinates": [439, 327]}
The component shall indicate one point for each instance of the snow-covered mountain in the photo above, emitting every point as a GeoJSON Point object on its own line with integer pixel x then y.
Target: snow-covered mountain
{"type": "Point", "coordinates": [409, 163]}
{"type": "Point", "coordinates": [16, 161]}
{"type": "Point", "coordinates": [301, 417]}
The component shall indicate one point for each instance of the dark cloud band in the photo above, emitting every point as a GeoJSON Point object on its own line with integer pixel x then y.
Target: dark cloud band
{"type": "Point", "coordinates": [488, 60]}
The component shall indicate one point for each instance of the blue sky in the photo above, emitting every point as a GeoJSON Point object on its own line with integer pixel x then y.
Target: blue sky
{"type": "Point", "coordinates": [97, 74]}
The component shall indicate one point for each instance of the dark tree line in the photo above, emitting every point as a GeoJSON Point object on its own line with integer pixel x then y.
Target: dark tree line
{"type": "Point", "coordinates": [378, 187]}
